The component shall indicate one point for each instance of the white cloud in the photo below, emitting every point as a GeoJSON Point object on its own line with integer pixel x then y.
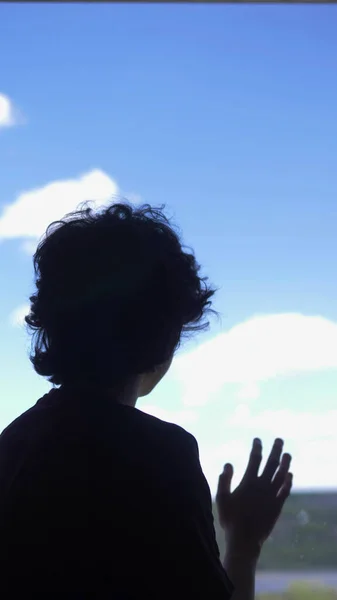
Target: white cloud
{"type": "Point", "coordinates": [299, 426]}
{"type": "Point", "coordinates": [7, 113]}
{"type": "Point", "coordinates": [213, 458]}
{"type": "Point", "coordinates": [310, 438]}
{"type": "Point", "coordinates": [255, 351]}
{"type": "Point", "coordinates": [249, 391]}
{"type": "Point", "coordinates": [30, 214]}
{"type": "Point", "coordinates": [313, 464]}
{"type": "Point", "coordinates": [248, 355]}
{"type": "Point", "coordinates": [18, 315]}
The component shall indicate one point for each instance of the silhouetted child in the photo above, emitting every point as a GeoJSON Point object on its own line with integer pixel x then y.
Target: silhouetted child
{"type": "Point", "coordinates": [98, 499]}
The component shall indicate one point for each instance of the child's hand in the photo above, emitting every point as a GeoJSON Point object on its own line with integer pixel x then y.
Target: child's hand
{"type": "Point", "coordinates": [249, 513]}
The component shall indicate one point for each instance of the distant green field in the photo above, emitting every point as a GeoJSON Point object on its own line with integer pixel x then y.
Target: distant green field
{"type": "Point", "coordinates": [304, 539]}
{"type": "Point", "coordinates": [302, 592]}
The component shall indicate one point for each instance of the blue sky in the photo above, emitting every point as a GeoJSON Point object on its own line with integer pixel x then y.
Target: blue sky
{"type": "Point", "coordinates": [226, 114]}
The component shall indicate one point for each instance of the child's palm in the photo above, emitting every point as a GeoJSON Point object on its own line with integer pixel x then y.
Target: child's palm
{"type": "Point", "coordinates": [251, 511]}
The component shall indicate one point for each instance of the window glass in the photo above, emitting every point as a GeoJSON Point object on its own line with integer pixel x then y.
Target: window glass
{"type": "Point", "coordinates": [227, 115]}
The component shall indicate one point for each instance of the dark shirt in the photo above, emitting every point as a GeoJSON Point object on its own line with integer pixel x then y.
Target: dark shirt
{"type": "Point", "coordinates": [100, 500]}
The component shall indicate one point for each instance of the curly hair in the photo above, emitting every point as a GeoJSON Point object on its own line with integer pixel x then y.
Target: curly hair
{"type": "Point", "coordinates": [115, 292]}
